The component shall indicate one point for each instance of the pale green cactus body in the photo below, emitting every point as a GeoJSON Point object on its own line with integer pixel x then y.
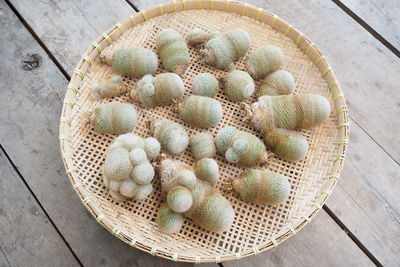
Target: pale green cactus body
{"type": "Point", "coordinates": [179, 199]}
{"type": "Point", "coordinates": [289, 112]}
{"type": "Point", "coordinates": [198, 36]}
{"type": "Point", "coordinates": [127, 171]}
{"type": "Point", "coordinates": [134, 61]}
{"type": "Point", "coordinates": [114, 118]}
{"type": "Point", "coordinates": [238, 85]}
{"type": "Point", "coordinates": [161, 90]}
{"type": "Point", "coordinates": [110, 88]}
{"type": "Point", "coordinates": [168, 220]}
{"type": "Point", "coordinates": [152, 147]}
{"type": "Point", "coordinates": [254, 153]}
{"type": "Point", "coordinates": [209, 209]}
{"type": "Point", "coordinates": [205, 84]}
{"type": "Point", "coordinates": [202, 145]}
{"type": "Point", "coordinates": [286, 144]}
{"type": "Point", "coordinates": [171, 135]}
{"type": "Point", "coordinates": [279, 82]}
{"type": "Point", "coordinates": [173, 51]}
{"type": "Point", "coordinates": [200, 111]}
{"type": "Point", "coordinates": [262, 187]}
{"type": "Point", "coordinates": [264, 60]}
{"type": "Point", "coordinates": [207, 169]}
{"type": "Point", "coordinates": [223, 50]}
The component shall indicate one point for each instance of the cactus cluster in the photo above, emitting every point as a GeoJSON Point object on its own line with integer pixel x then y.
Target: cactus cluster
{"type": "Point", "coordinates": [127, 171]}
{"type": "Point", "coordinates": [187, 195]}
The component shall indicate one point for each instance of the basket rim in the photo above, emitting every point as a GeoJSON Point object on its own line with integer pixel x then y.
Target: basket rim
{"type": "Point", "coordinates": [312, 52]}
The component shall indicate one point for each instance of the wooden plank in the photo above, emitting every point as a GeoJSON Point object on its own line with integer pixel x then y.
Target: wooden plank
{"type": "Point", "coordinates": [382, 16]}
{"type": "Point", "coordinates": [31, 105]}
{"type": "Point", "coordinates": [321, 243]}
{"type": "Point", "coordinates": [366, 199]}
{"type": "Point", "coordinates": [27, 236]}
{"type": "Point", "coordinates": [368, 186]}
{"type": "Point", "coordinates": [68, 27]}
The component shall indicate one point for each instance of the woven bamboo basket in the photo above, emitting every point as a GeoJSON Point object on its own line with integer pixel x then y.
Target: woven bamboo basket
{"type": "Point", "coordinates": [256, 228]}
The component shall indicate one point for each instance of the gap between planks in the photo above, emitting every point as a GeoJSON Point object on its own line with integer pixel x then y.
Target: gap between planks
{"type": "Point", "coordinates": [38, 40]}
{"type": "Point", "coordinates": [330, 213]}
{"type": "Point", "coordinates": [40, 204]}
{"type": "Point", "coordinates": [368, 28]}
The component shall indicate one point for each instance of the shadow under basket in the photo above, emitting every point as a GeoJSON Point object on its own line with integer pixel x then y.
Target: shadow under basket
{"type": "Point", "coordinates": [256, 228]}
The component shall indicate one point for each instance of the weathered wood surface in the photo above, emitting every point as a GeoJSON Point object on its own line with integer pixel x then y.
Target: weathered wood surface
{"type": "Point", "coordinates": [371, 89]}
{"type": "Point", "coordinates": [331, 247]}
{"type": "Point", "coordinates": [68, 27]}
{"type": "Point", "coordinates": [31, 104]}
{"type": "Point", "coordinates": [382, 16]}
{"type": "Point", "coordinates": [338, 36]}
{"type": "Point", "coordinates": [27, 236]}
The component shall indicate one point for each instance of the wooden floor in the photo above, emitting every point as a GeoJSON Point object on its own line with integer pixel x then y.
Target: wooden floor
{"type": "Point", "coordinates": [42, 221]}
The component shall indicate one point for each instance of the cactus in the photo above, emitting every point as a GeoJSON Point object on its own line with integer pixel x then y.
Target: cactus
{"type": "Point", "coordinates": [110, 88]}
{"type": "Point", "coordinates": [173, 51]}
{"type": "Point", "coordinates": [205, 84]}
{"type": "Point", "coordinates": [208, 209]}
{"type": "Point", "coordinates": [286, 144]}
{"type": "Point", "coordinates": [202, 145]}
{"type": "Point", "coordinates": [163, 89]}
{"type": "Point", "coordinates": [127, 171]}
{"type": "Point", "coordinates": [288, 112]}
{"type": "Point", "coordinates": [262, 187]}
{"type": "Point", "coordinates": [239, 85]}
{"type": "Point", "coordinates": [171, 135]}
{"type": "Point", "coordinates": [240, 147]}
{"type": "Point", "coordinates": [279, 82]}
{"type": "Point", "coordinates": [134, 61]}
{"type": "Point", "coordinates": [207, 169]}
{"type": "Point", "coordinates": [222, 50]}
{"type": "Point", "coordinates": [113, 118]}
{"type": "Point", "coordinates": [200, 111]}
{"type": "Point", "coordinates": [264, 60]}
{"type": "Point", "coordinates": [198, 36]}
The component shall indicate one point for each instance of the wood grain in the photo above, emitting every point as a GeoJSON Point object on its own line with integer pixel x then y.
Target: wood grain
{"type": "Point", "coordinates": [382, 16]}
{"type": "Point", "coordinates": [330, 247]}
{"type": "Point", "coordinates": [27, 236]}
{"type": "Point", "coordinates": [68, 27]}
{"type": "Point", "coordinates": [31, 104]}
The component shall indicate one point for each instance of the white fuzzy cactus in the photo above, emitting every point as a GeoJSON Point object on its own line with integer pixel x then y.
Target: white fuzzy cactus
{"type": "Point", "coordinates": [127, 171]}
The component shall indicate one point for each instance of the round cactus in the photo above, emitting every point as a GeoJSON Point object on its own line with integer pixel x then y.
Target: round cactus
{"type": "Point", "coordinates": [222, 50]}
{"type": "Point", "coordinates": [205, 84]}
{"type": "Point", "coordinates": [264, 60]}
{"type": "Point", "coordinates": [168, 220]}
{"type": "Point", "coordinates": [179, 199]}
{"type": "Point", "coordinates": [279, 82]}
{"type": "Point", "coordinates": [239, 85]}
{"type": "Point", "coordinates": [152, 147]}
{"type": "Point", "coordinates": [286, 144]}
{"type": "Point", "coordinates": [161, 90]}
{"type": "Point", "coordinates": [171, 135]}
{"type": "Point", "coordinates": [173, 51]}
{"type": "Point", "coordinates": [200, 111]}
{"type": "Point", "coordinates": [262, 187]}
{"type": "Point", "coordinates": [133, 61]}
{"type": "Point", "coordinates": [118, 165]}
{"type": "Point", "coordinates": [207, 169]}
{"type": "Point", "coordinates": [202, 145]}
